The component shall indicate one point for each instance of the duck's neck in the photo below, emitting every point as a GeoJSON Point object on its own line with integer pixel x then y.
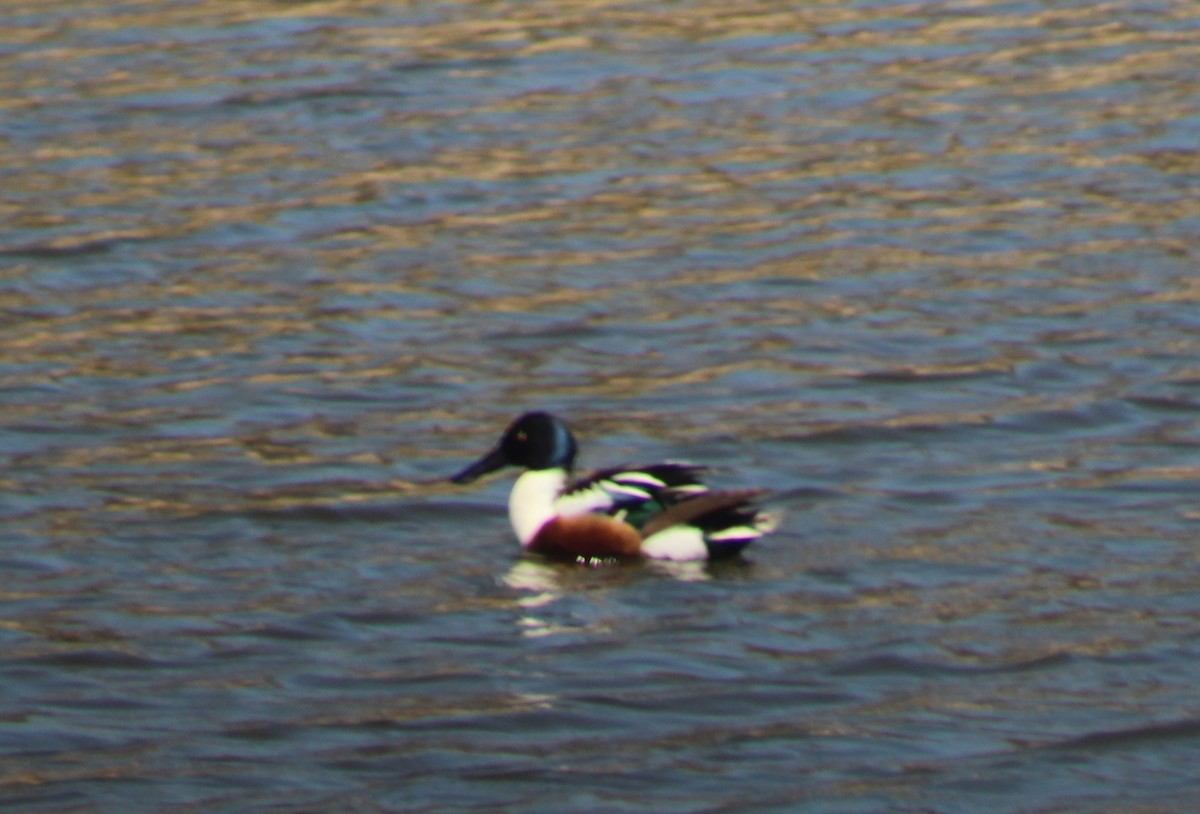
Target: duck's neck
{"type": "Point", "coordinates": [531, 503]}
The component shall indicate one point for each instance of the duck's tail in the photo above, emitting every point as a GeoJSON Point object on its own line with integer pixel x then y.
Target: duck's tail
{"type": "Point", "coordinates": [711, 525]}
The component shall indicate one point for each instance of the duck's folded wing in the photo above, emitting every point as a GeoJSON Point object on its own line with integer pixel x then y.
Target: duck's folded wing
{"type": "Point", "coordinates": [628, 488]}
{"type": "Point", "coordinates": [728, 514]}
{"type": "Point", "coordinates": [714, 525]}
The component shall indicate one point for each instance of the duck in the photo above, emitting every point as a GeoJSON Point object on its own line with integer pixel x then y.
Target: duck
{"type": "Point", "coordinates": [660, 511]}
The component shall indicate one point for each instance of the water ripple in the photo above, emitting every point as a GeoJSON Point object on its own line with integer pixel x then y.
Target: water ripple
{"type": "Point", "coordinates": [270, 274]}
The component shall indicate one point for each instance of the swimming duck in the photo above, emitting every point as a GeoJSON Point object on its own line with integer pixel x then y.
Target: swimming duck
{"type": "Point", "coordinates": [661, 511]}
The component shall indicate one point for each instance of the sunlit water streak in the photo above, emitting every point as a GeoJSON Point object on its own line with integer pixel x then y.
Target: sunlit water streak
{"type": "Point", "coordinates": [268, 271]}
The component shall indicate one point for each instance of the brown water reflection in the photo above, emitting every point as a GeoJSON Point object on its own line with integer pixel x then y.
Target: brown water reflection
{"type": "Point", "coordinates": [267, 271]}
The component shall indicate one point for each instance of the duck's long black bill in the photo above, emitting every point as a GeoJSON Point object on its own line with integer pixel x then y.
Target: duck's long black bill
{"type": "Point", "coordinates": [488, 463]}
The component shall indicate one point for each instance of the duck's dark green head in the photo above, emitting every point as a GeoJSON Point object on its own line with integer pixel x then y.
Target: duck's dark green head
{"type": "Point", "coordinates": [534, 441]}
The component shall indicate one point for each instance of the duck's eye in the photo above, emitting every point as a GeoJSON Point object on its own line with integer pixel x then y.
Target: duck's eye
{"type": "Point", "coordinates": [522, 436]}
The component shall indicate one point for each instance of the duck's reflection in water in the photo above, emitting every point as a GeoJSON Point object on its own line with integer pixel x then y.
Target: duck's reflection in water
{"type": "Point", "coordinates": [542, 583]}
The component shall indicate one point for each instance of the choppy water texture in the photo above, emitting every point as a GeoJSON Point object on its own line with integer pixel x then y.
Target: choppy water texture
{"type": "Point", "coordinates": [927, 269]}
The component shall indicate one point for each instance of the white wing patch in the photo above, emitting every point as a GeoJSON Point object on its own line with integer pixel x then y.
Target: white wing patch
{"type": "Point", "coordinates": [592, 498]}
{"type": "Point", "coordinates": [612, 488]}
{"type": "Point", "coordinates": [644, 478]}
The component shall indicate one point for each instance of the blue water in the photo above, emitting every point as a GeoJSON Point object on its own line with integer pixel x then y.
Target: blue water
{"type": "Point", "coordinates": [268, 272]}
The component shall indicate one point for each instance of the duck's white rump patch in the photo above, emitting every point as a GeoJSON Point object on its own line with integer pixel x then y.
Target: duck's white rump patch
{"type": "Point", "coordinates": [679, 543]}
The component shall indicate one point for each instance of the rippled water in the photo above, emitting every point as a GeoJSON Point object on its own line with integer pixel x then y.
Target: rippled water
{"type": "Point", "coordinates": [267, 270]}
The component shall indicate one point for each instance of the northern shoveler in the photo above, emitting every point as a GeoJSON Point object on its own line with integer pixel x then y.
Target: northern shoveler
{"type": "Point", "coordinates": [661, 511]}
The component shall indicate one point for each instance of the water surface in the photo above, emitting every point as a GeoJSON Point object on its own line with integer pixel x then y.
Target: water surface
{"type": "Point", "coordinates": [267, 270]}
